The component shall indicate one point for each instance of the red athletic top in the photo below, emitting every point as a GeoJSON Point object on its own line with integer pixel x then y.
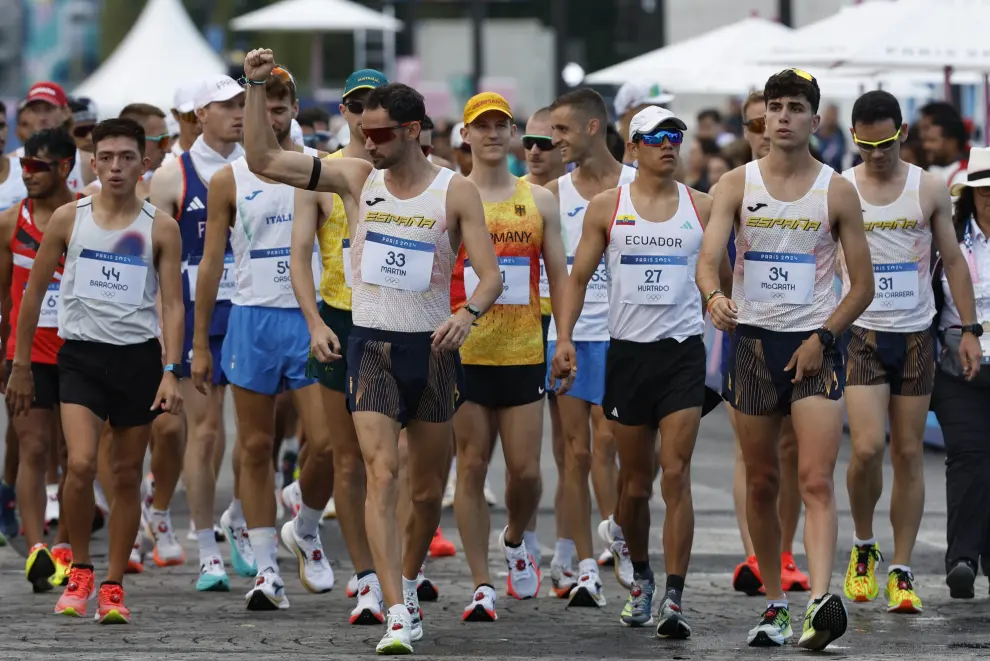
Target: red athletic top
{"type": "Point", "coordinates": [24, 247]}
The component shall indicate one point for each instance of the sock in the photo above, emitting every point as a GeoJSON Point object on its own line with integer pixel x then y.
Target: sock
{"type": "Point", "coordinates": [408, 585]}
{"type": "Point", "coordinates": [614, 529]}
{"type": "Point", "coordinates": [109, 583]}
{"type": "Point", "coordinates": [642, 570]}
{"type": "Point", "coordinates": [485, 585]}
{"type": "Point", "coordinates": [776, 603]}
{"type": "Point", "coordinates": [366, 572]}
{"type": "Point", "coordinates": [263, 543]}
{"type": "Point", "coordinates": [588, 565]}
{"type": "Point", "coordinates": [208, 547]}
{"type": "Point", "coordinates": [510, 544]}
{"type": "Point", "coordinates": [563, 553]}
{"type": "Point", "coordinates": [675, 588]}
{"type": "Point", "coordinates": [903, 568]}
{"type": "Point", "coordinates": [864, 542]}
{"type": "Point", "coordinates": [158, 513]}
{"type": "Point", "coordinates": [236, 513]}
{"type": "Point", "coordinates": [307, 522]}
{"type": "Point", "coordinates": [532, 542]}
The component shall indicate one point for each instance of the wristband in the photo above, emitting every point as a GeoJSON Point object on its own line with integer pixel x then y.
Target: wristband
{"type": "Point", "coordinates": [714, 296]}
{"type": "Point", "coordinates": [247, 81]}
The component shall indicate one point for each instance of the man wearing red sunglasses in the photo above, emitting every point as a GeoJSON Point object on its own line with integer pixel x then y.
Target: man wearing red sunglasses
{"type": "Point", "coordinates": [403, 366]}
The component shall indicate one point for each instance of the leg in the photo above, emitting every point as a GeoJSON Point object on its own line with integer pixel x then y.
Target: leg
{"type": "Point", "coordinates": [203, 414]}
{"type": "Point", "coordinates": [575, 414]}
{"type": "Point", "coordinates": [789, 500]}
{"type": "Point", "coordinates": [429, 453]}
{"type": "Point", "coordinates": [256, 415]}
{"type": "Point", "coordinates": [908, 416]}
{"type": "Point", "coordinates": [678, 434]}
{"type": "Point", "coordinates": [403, 508]}
{"type": "Point", "coordinates": [10, 457]}
{"type": "Point", "coordinates": [557, 440]}
{"type": "Point", "coordinates": [316, 479]}
{"type": "Point", "coordinates": [35, 438]}
{"type": "Point", "coordinates": [866, 408]}
{"type": "Point", "coordinates": [127, 460]}
{"type": "Point", "coordinates": [636, 471]}
{"type": "Point", "coordinates": [475, 427]}
{"type": "Point", "coordinates": [604, 472]}
{"type": "Point", "coordinates": [104, 469]}
{"type": "Point", "coordinates": [166, 457]}
{"type": "Point", "coordinates": [739, 486]}
{"type": "Point", "coordinates": [82, 432]}
{"type": "Point", "coordinates": [518, 427]}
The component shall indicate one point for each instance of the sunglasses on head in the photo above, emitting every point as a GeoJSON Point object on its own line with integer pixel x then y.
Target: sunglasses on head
{"type": "Point", "coordinates": [83, 130]}
{"type": "Point", "coordinates": [35, 165]}
{"type": "Point", "coordinates": [162, 140]}
{"type": "Point", "coordinates": [878, 145]}
{"type": "Point", "coordinates": [283, 74]}
{"type": "Point", "coordinates": [541, 142]}
{"type": "Point", "coordinates": [656, 138]}
{"type": "Point", "coordinates": [757, 125]}
{"type": "Point", "coordinates": [380, 136]}
{"type": "Point", "coordinates": [801, 73]}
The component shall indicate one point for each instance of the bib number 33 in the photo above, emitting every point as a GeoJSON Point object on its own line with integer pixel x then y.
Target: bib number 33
{"type": "Point", "coordinates": [390, 261]}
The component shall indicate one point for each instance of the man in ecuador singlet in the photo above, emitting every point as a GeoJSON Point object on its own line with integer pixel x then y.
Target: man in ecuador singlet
{"type": "Point", "coordinates": [264, 353]}
{"type": "Point", "coordinates": [891, 362]}
{"type": "Point", "coordinates": [504, 370]}
{"type": "Point", "coordinates": [578, 121]}
{"type": "Point", "coordinates": [180, 188]}
{"type": "Point", "coordinates": [650, 233]}
{"type": "Point", "coordinates": [48, 159]}
{"type": "Point", "coordinates": [119, 251]}
{"type": "Point", "coordinates": [403, 367]}
{"type": "Point", "coordinates": [790, 213]}
{"type": "Point", "coordinates": [322, 217]}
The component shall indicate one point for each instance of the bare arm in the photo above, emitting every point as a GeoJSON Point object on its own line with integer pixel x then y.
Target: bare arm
{"type": "Point", "coordinates": [8, 221]}
{"type": "Point", "coordinates": [309, 208]}
{"type": "Point", "coordinates": [219, 217]}
{"type": "Point", "coordinates": [167, 240]}
{"type": "Point", "coordinates": [465, 199]}
{"type": "Point", "coordinates": [953, 263]}
{"type": "Point", "coordinates": [703, 205]}
{"type": "Point", "coordinates": [591, 247]}
{"type": "Point", "coordinates": [847, 215]}
{"type": "Point", "coordinates": [554, 256]}
{"type": "Point", "coordinates": [713, 259]}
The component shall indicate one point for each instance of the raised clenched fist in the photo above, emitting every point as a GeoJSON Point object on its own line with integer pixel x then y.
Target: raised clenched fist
{"type": "Point", "coordinates": [258, 64]}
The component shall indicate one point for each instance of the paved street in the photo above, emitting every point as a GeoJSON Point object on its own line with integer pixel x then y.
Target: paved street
{"type": "Point", "coordinates": [172, 621]}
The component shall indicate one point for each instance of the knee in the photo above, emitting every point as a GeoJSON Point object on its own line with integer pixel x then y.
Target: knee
{"type": "Point", "coordinates": [867, 454]}
{"type": "Point", "coordinates": [203, 443]}
{"type": "Point", "coordinates": [637, 486]}
{"type": "Point", "coordinates": [906, 454]}
{"type": "Point", "coordinates": [763, 485]}
{"type": "Point", "coordinates": [525, 476]}
{"type": "Point", "coordinates": [817, 488]}
{"type": "Point", "coordinates": [82, 466]}
{"type": "Point", "coordinates": [472, 466]}
{"type": "Point", "coordinates": [383, 476]}
{"type": "Point", "coordinates": [127, 477]}
{"type": "Point", "coordinates": [320, 452]}
{"type": "Point", "coordinates": [577, 456]}
{"type": "Point", "coordinates": [33, 450]}
{"type": "Point", "coordinates": [348, 467]}
{"type": "Point", "coordinates": [256, 450]}
{"type": "Point", "coordinates": [604, 445]}
{"type": "Point", "coordinates": [675, 479]}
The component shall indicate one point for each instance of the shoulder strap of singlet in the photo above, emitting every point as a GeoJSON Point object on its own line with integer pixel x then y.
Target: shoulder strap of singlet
{"type": "Point", "coordinates": [685, 192]}
{"type": "Point", "coordinates": [824, 177]}
{"type": "Point", "coordinates": [443, 178]}
{"type": "Point", "coordinates": [913, 182]}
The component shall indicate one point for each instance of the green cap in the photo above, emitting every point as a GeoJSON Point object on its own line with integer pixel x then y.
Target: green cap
{"type": "Point", "coordinates": [364, 79]}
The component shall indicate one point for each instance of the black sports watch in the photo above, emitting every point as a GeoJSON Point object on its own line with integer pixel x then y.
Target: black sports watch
{"type": "Point", "coordinates": [826, 337]}
{"type": "Point", "coordinates": [473, 309]}
{"type": "Point", "coordinates": [174, 368]}
{"type": "Point", "coordinates": [975, 329]}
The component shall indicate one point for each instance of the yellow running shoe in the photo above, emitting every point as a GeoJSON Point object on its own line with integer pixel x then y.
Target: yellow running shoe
{"type": "Point", "coordinates": [861, 576]}
{"type": "Point", "coordinates": [900, 593]}
{"type": "Point", "coordinates": [63, 563]}
{"type": "Point", "coordinates": [824, 621]}
{"type": "Point", "coordinates": [39, 568]}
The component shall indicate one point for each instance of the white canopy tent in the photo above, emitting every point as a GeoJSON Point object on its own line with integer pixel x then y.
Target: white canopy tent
{"type": "Point", "coordinates": [163, 51]}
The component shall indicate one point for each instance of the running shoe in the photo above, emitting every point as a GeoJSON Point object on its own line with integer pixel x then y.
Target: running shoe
{"type": "Point", "coordinates": [415, 614]}
{"type": "Point", "coordinates": [620, 554]}
{"type": "Point", "coordinates": [80, 589]}
{"type": "Point", "coordinates": [824, 621]}
{"type": "Point", "coordinates": [606, 559]}
{"type": "Point", "coordinates": [791, 578]}
{"type": "Point", "coordinates": [490, 495]}
{"type": "Point", "coordinates": [314, 571]}
{"type": "Point", "coordinates": [218, 533]}
{"type": "Point", "coordinates": [39, 568]}
{"type": "Point", "coordinates": [351, 589]}
{"type": "Point", "coordinates": [441, 547]}
{"type": "Point", "coordinates": [292, 497]}
{"type": "Point", "coordinates": [426, 589]}
{"type": "Point", "coordinates": [961, 580]}
{"type": "Point", "coordinates": [482, 606]}
{"type": "Point", "coordinates": [9, 525]}
{"type": "Point", "coordinates": [168, 551]}
{"type": "Point", "coordinates": [111, 608]}
{"type": "Point", "coordinates": [638, 611]}
{"type": "Point", "coordinates": [588, 592]}
{"type": "Point", "coordinates": [370, 608]}
{"type": "Point", "coordinates": [901, 597]}
{"type": "Point", "coordinates": [213, 576]}
{"type": "Point", "coordinates": [241, 554]}
{"type": "Point", "coordinates": [330, 511]}
{"type": "Point", "coordinates": [62, 554]}
{"type": "Point", "coordinates": [747, 578]}
{"type": "Point", "coordinates": [51, 505]}
{"type": "Point", "coordinates": [135, 562]}
{"type": "Point", "coordinates": [398, 633]}
{"type": "Point", "coordinates": [670, 620]}
{"type": "Point", "coordinates": [268, 593]}
{"type": "Point", "coordinates": [523, 581]}
{"type": "Point", "coordinates": [773, 630]}
{"type": "Point", "coordinates": [861, 575]}
{"type": "Point", "coordinates": [562, 581]}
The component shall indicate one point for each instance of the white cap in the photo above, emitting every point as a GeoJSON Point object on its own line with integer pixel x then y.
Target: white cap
{"type": "Point", "coordinates": [634, 94]}
{"type": "Point", "coordinates": [455, 136]}
{"type": "Point", "coordinates": [171, 125]}
{"type": "Point", "coordinates": [648, 119]}
{"type": "Point", "coordinates": [184, 99]}
{"type": "Point", "coordinates": [215, 90]}
{"type": "Point", "coordinates": [296, 132]}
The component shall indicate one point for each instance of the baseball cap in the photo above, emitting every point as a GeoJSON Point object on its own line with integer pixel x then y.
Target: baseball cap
{"type": "Point", "coordinates": [47, 91]}
{"type": "Point", "coordinates": [364, 79]}
{"type": "Point", "coordinates": [184, 100]}
{"type": "Point", "coordinates": [83, 110]}
{"type": "Point", "coordinates": [482, 103]}
{"type": "Point", "coordinates": [455, 136]}
{"type": "Point", "coordinates": [633, 94]}
{"type": "Point", "coordinates": [648, 119]}
{"type": "Point", "coordinates": [215, 90]}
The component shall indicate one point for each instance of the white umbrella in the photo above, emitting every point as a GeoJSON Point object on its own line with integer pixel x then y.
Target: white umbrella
{"type": "Point", "coordinates": [315, 16]}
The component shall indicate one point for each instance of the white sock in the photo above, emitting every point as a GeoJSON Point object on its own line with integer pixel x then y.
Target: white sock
{"type": "Point", "coordinates": [157, 515]}
{"type": "Point", "coordinates": [531, 541]}
{"type": "Point", "coordinates": [776, 603]}
{"type": "Point", "coordinates": [903, 568]}
{"type": "Point", "coordinates": [587, 566]}
{"type": "Point", "coordinates": [408, 584]}
{"type": "Point", "coordinates": [236, 513]}
{"type": "Point", "coordinates": [563, 553]}
{"type": "Point", "coordinates": [307, 522]}
{"type": "Point", "coordinates": [864, 542]}
{"type": "Point", "coordinates": [263, 543]}
{"type": "Point", "coordinates": [614, 529]}
{"type": "Point", "coordinates": [208, 547]}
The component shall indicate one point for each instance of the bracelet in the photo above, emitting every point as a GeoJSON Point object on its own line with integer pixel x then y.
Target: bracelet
{"type": "Point", "coordinates": [712, 294]}
{"type": "Point", "coordinates": [714, 297]}
{"type": "Point", "coordinates": [247, 81]}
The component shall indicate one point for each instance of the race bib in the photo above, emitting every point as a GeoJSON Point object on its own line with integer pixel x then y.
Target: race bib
{"type": "Point", "coordinates": [49, 306]}
{"type": "Point", "coordinates": [270, 272]}
{"type": "Point", "coordinates": [227, 281]}
{"type": "Point", "coordinates": [896, 287]}
{"type": "Point", "coordinates": [515, 280]}
{"type": "Point", "coordinates": [389, 261]}
{"type": "Point", "coordinates": [597, 291]}
{"type": "Point", "coordinates": [544, 281]}
{"type": "Point", "coordinates": [348, 277]}
{"type": "Point", "coordinates": [780, 277]}
{"type": "Point", "coordinates": [107, 276]}
{"type": "Point", "coordinates": [652, 279]}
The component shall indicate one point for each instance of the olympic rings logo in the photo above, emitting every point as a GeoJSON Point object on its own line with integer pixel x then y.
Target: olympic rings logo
{"type": "Point", "coordinates": [391, 280]}
{"type": "Point", "coordinates": [655, 297]}
{"type": "Point", "coordinates": [778, 296]}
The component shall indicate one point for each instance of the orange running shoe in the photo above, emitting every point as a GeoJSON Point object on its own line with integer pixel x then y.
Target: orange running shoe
{"type": "Point", "coordinates": [791, 578]}
{"type": "Point", "coordinates": [78, 591]}
{"type": "Point", "coordinates": [747, 578]}
{"type": "Point", "coordinates": [112, 609]}
{"type": "Point", "coordinates": [63, 564]}
{"type": "Point", "coordinates": [441, 547]}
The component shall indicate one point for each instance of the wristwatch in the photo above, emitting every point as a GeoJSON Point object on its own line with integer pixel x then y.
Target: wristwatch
{"type": "Point", "coordinates": [975, 329]}
{"type": "Point", "coordinates": [712, 294]}
{"type": "Point", "coordinates": [473, 309]}
{"type": "Point", "coordinates": [826, 337]}
{"type": "Point", "coordinates": [174, 368]}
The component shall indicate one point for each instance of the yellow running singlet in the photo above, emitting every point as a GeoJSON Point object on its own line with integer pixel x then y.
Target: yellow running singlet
{"type": "Point", "coordinates": [331, 235]}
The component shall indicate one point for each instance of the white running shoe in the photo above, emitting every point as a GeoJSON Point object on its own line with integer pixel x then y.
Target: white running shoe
{"type": "Point", "coordinates": [268, 593]}
{"type": "Point", "coordinates": [482, 606]}
{"type": "Point", "coordinates": [330, 511]}
{"type": "Point", "coordinates": [415, 614]}
{"type": "Point", "coordinates": [168, 551]}
{"type": "Point", "coordinates": [218, 533]}
{"type": "Point", "coordinates": [398, 633]}
{"type": "Point", "coordinates": [351, 590]}
{"type": "Point", "coordinates": [292, 497]}
{"type": "Point", "coordinates": [588, 592]}
{"type": "Point", "coordinates": [489, 494]}
{"type": "Point", "coordinates": [620, 554]}
{"type": "Point", "coordinates": [524, 578]}
{"type": "Point", "coordinates": [51, 504]}
{"type": "Point", "coordinates": [213, 576]}
{"type": "Point", "coordinates": [370, 608]}
{"type": "Point", "coordinates": [241, 554]}
{"type": "Point", "coordinates": [314, 570]}
{"type": "Point", "coordinates": [562, 581]}
{"type": "Point", "coordinates": [448, 492]}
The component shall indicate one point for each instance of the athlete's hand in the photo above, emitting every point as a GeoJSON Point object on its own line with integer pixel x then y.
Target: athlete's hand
{"type": "Point", "coordinates": [258, 64]}
{"type": "Point", "coordinates": [563, 367]}
{"type": "Point", "coordinates": [452, 332]}
{"type": "Point", "coordinates": [20, 390]}
{"type": "Point", "coordinates": [324, 344]}
{"type": "Point", "coordinates": [724, 313]}
{"type": "Point", "coordinates": [971, 355]}
{"type": "Point", "coordinates": [807, 360]}
{"type": "Point", "coordinates": [168, 399]}
{"type": "Point", "coordinates": [202, 369]}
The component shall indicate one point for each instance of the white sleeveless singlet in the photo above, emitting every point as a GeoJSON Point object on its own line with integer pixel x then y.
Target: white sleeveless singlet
{"type": "Point", "coordinates": [12, 189]}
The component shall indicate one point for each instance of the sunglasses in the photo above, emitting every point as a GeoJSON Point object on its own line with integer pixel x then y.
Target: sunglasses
{"type": "Point", "coordinates": [283, 74]}
{"type": "Point", "coordinates": [878, 145]}
{"type": "Point", "coordinates": [541, 142]}
{"type": "Point", "coordinates": [83, 130]}
{"type": "Point", "coordinates": [385, 134]}
{"type": "Point", "coordinates": [801, 73]}
{"type": "Point", "coordinates": [656, 138]}
{"type": "Point", "coordinates": [36, 165]}
{"type": "Point", "coordinates": [757, 125]}
{"type": "Point", "coordinates": [163, 140]}
{"type": "Point", "coordinates": [354, 107]}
